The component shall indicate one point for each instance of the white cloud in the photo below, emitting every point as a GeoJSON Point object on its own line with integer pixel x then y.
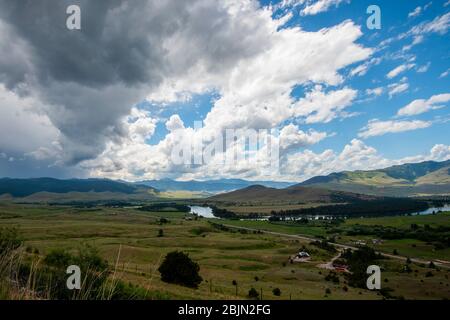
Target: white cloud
{"type": "Point", "coordinates": [398, 87]}
{"type": "Point", "coordinates": [401, 68]}
{"type": "Point", "coordinates": [424, 68]}
{"type": "Point", "coordinates": [440, 25]}
{"type": "Point", "coordinates": [378, 128]}
{"type": "Point", "coordinates": [421, 105]}
{"type": "Point", "coordinates": [355, 156]}
{"type": "Point", "coordinates": [445, 73]}
{"type": "Point", "coordinates": [375, 91]}
{"type": "Point", "coordinates": [319, 106]}
{"type": "Point", "coordinates": [317, 6]}
{"type": "Point", "coordinates": [362, 69]}
{"type": "Point", "coordinates": [417, 40]}
{"type": "Point", "coordinates": [291, 137]}
{"type": "Point", "coordinates": [174, 123]}
{"type": "Point", "coordinates": [415, 13]}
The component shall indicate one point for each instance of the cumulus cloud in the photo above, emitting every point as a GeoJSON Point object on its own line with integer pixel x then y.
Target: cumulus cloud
{"type": "Point", "coordinates": [421, 105]}
{"type": "Point", "coordinates": [320, 106]}
{"type": "Point", "coordinates": [88, 81]}
{"type": "Point", "coordinates": [378, 128]}
{"type": "Point", "coordinates": [355, 156]}
{"type": "Point", "coordinates": [291, 137]}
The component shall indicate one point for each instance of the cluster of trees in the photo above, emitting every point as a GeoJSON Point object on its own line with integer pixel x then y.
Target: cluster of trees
{"type": "Point", "coordinates": [158, 207]}
{"type": "Point", "coordinates": [358, 261]}
{"type": "Point", "coordinates": [383, 206]}
{"type": "Point", "coordinates": [440, 235]}
{"type": "Point", "coordinates": [223, 213]}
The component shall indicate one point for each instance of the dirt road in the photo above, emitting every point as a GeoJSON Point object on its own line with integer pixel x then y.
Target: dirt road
{"type": "Point", "coordinates": [438, 263]}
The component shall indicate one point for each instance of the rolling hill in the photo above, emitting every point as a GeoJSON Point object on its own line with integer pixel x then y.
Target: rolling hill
{"type": "Point", "coordinates": [428, 178]}
{"type": "Point", "coordinates": [299, 194]}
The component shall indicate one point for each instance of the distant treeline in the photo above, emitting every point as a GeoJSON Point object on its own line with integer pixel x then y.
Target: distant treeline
{"type": "Point", "coordinates": [439, 236]}
{"type": "Point", "coordinates": [156, 207]}
{"type": "Point", "coordinates": [223, 213]}
{"type": "Point", "coordinates": [374, 207]}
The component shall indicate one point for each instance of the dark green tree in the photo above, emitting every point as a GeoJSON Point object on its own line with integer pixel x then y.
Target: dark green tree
{"type": "Point", "coordinates": [178, 268]}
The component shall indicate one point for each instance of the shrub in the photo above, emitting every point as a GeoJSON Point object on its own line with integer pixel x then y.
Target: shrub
{"type": "Point", "coordinates": [9, 240]}
{"type": "Point", "coordinates": [178, 268]}
{"type": "Point", "coordinates": [253, 294]}
{"type": "Point", "coordinates": [276, 292]}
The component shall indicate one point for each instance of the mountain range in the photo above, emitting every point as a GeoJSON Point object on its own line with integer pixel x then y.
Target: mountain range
{"type": "Point", "coordinates": [56, 190]}
{"type": "Point", "coordinates": [408, 180]}
{"type": "Point", "coordinates": [210, 186]}
{"type": "Point", "coordinates": [427, 178]}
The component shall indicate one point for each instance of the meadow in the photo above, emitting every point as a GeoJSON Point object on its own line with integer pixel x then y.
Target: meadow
{"type": "Point", "coordinates": [231, 261]}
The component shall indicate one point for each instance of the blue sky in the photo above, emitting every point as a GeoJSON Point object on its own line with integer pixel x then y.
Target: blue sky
{"type": "Point", "coordinates": [395, 21]}
{"type": "Point", "coordinates": [343, 97]}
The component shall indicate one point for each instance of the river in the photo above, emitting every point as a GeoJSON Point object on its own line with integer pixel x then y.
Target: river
{"type": "Point", "coordinates": [207, 212]}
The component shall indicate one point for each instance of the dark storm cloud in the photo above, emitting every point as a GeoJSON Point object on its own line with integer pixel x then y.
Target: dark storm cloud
{"type": "Point", "coordinates": [118, 41]}
{"type": "Point", "coordinates": [88, 79]}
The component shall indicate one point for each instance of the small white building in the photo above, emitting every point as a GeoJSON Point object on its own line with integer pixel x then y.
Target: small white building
{"type": "Point", "coordinates": [303, 254]}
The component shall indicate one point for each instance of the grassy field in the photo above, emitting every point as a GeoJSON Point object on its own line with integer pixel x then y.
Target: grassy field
{"type": "Point", "coordinates": [129, 239]}
{"type": "Point", "coordinates": [406, 247]}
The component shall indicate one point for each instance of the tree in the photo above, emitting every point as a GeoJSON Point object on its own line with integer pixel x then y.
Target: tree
{"type": "Point", "coordinates": [178, 268]}
{"type": "Point", "coordinates": [276, 292]}
{"type": "Point", "coordinates": [253, 294]}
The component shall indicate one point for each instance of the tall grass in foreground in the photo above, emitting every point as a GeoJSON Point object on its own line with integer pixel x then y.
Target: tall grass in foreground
{"type": "Point", "coordinates": [24, 275]}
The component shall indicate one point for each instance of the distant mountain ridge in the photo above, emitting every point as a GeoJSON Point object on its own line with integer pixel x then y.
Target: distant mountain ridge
{"type": "Point", "coordinates": [212, 186]}
{"type": "Point", "coordinates": [28, 187]}
{"type": "Point", "coordinates": [412, 179]}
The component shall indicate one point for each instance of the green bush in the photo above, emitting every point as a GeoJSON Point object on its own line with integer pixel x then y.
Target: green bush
{"type": "Point", "coordinates": [9, 240]}
{"type": "Point", "coordinates": [253, 294]}
{"type": "Point", "coordinates": [178, 268]}
{"type": "Point", "coordinates": [276, 292]}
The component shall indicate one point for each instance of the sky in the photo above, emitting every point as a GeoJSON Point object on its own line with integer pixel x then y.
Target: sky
{"type": "Point", "coordinates": [142, 79]}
